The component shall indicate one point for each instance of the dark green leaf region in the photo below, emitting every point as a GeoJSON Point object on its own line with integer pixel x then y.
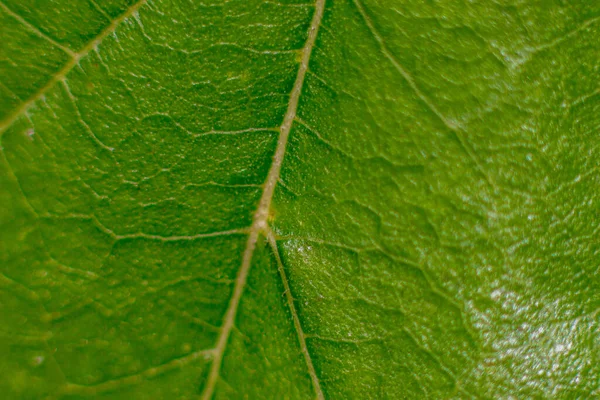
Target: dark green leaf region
{"type": "Point", "coordinates": [299, 199]}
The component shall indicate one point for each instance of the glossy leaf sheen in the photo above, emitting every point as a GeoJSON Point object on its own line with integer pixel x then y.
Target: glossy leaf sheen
{"type": "Point", "coordinates": [428, 229]}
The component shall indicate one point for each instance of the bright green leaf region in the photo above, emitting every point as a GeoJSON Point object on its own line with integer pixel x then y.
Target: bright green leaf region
{"type": "Point", "coordinates": [290, 199]}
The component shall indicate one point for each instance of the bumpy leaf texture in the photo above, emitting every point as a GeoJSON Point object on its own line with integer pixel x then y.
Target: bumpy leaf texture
{"type": "Point", "coordinates": [347, 199]}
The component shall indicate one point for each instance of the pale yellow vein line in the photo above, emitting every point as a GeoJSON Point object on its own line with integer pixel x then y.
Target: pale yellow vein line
{"type": "Point", "coordinates": [107, 386]}
{"type": "Point", "coordinates": [60, 75]}
{"type": "Point", "coordinates": [409, 79]}
{"type": "Point", "coordinates": [19, 288]}
{"type": "Point", "coordinates": [142, 235]}
{"type": "Point", "coordinates": [80, 117]}
{"type": "Point", "coordinates": [300, 332]}
{"type": "Point", "coordinates": [451, 125]}
{"type": "Point", "coordinates": [568, 35]}
{"type": "Point", "coordinates": [259, 223]}
{"type": "Point", "coordinates": [100, 9]}
{"type": "Point", "coordinates": [35, 30]}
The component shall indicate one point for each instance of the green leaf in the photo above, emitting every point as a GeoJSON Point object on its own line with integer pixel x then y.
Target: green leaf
{"type": "Point", "coordinates": [347, 199]}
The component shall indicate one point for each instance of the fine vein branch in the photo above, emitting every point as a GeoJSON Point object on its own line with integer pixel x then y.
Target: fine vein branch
{"type": "Point", "coordinates": [259, 223]}
{"type": "Point", "coordinates": [74, 60]}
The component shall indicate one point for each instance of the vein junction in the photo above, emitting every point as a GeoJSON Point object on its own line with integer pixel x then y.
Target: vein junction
{"type": "Point", "coordinates": [62, 73]}
{"type": "Point", "coordinates": [260, 225]}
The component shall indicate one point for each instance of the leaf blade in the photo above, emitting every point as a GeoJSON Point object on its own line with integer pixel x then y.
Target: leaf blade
{"type": "Point", "coordinates": [439, 166]}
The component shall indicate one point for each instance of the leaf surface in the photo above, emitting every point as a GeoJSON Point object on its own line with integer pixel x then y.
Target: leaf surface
{"type": "Point", "coordinates": [335, 199]}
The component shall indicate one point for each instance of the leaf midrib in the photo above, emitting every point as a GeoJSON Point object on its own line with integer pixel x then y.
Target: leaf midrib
{"type": "Point", "coordinates": [260, 225]}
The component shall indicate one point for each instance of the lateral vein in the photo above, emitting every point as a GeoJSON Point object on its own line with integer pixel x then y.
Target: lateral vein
{"type": "Point", "coordinates": [259, 223]}
{"type": "Point", "coordinates": [129, 380]}
{"type": "Point", "coordinates": [299, 331]}
{"type": "Point", "coordinates": [35, 30]}
{"type": "Point", "coordinates": [453, 126]}
{"type": "Point", "coordinates": [75, 57]}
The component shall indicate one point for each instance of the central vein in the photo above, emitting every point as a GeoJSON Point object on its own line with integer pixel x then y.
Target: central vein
{"type": "Point", "coordinates": [259, 223]}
